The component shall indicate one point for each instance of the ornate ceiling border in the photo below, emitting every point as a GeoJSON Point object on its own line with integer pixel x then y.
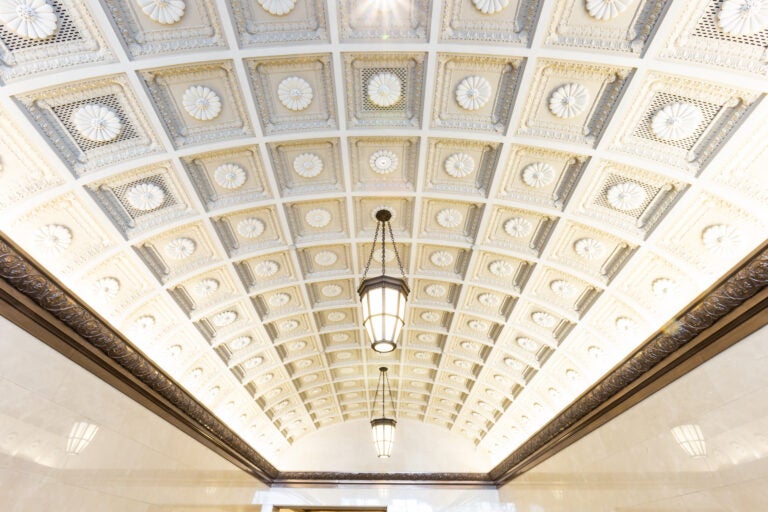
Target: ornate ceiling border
{"type": "Point", "coordinates": [720, 317]}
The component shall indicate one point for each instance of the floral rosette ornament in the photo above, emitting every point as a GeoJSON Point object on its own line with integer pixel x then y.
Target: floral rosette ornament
{"type": "Point", "coordinates": [165, 12]}
{"type": "Point", "coordinates": [743, 17]}
{"type": "Point", "coordinates": [606, 9]}
{"type": "Point", "coordinates": [569, 100]}
{"type": "Point", "coordinates": [97, 123]}
{"type": "Point", "coordinates": [29, 19]}
{"type": "Point", "coordinates": [295, 93]}
{"type": "Point", "coordinates": [201, 103]}
{"type": "Point", "coordinates": [473, 93]}
{"type": "Point", "coordinates": [384, 89]}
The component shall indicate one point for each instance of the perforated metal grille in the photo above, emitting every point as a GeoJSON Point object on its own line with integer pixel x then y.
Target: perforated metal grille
{"type": "Point", "coordinates": [662, 99]}
{"type": "Point", "coordinates": [400, 105]}
{"type": "Point", "coordinates": [616, 179]}
{"type": "Point", "coordinates": [64, 113]}
{"type": "Point", "coordinates": [135, 213]}
{"type": "Point", "coordinates": [65, 32]}
{"type": "Point", "coordinates": [709, 27]}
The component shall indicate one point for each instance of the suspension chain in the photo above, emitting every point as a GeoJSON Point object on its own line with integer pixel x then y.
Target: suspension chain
{"type": "Point", "coordinates": [370, 256]}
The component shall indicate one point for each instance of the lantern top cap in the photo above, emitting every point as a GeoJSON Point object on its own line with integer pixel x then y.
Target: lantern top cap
{"type": "Point", "coordinates": [382, 369]}
{"type": "Point", "coordinates": [383, 215]}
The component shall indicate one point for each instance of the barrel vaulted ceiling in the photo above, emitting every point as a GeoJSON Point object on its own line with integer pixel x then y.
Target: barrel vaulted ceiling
{"type": "Point", "coordinates": [563, 175]}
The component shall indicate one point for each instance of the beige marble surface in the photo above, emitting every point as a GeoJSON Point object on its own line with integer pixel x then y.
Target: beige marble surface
{"type": "Point", "coordinates": [136, 462]}
{"type": "Point", "coordinates": [634, 463]}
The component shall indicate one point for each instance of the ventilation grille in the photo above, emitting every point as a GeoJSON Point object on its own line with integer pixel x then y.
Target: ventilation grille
{"type": "Point", "coordinates": [660, 100]}
{"type": "Point", "coordinates": [64, 113]}
{"type": "Point", "coordinates": [709, 28]}
{"type": "Point", "coordinates": [616, 179]}
{"type": "Point", "coordinates": [157, 180]}
{"type": "Point", "coordinates": [66, 32]}
{"type": "Point", "coordinates": [399, 106]}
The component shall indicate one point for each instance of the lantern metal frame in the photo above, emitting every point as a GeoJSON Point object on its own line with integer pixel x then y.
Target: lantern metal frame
{"type": "Point", "coordinates": [383, 428]}
{"type": "Point", "coordinates": [383, 297]}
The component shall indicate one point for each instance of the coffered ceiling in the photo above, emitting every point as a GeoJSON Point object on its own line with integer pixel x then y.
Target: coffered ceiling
{"type": "Point", "coordinates": [563, 176]}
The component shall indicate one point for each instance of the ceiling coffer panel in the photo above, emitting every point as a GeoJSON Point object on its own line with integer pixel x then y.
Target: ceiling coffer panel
{"type": "Point", "coordinates": [562, 176]}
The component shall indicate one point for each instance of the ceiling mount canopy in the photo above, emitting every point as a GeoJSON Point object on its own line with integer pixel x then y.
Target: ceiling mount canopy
{"type": "Point", "coordinates": [383, 297]}
{"type": "Point", "coordinates": [383, 428]}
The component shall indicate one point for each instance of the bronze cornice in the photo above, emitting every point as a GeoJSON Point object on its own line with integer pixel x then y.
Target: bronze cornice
{"type": "Point", "coordinates": [672, 345]}
{"type": "Point", "coordinates": [313, 477]}
{"type": "Point", "coordinates": [132, 372]}
{"type": "Point", "coordinates": [730, 310]}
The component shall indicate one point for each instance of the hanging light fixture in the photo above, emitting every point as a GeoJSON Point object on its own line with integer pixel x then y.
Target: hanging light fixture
{"type": "Point", "coordinates": [383, 297]}
{"type": "Point", "coordinates": [383, 428]}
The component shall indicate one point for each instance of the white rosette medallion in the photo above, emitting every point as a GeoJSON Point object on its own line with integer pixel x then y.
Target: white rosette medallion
{"type": "Point", "coordinates": [721, 239]}
{"type": "Point", "coordinates": [266, 268]}
{"type": "Point", "coordinates": [626, 196]}
{"type": "Point", "coordinates": [229, 176]}
{"type": "Point", "coordinates": [165, 12]}
{"type": "Point", "coordinates": [250, 227]}
{"type": "Point", "coordinates": [459, 165]}
{"type": "Point", "coordinates": [589, 248]}
{"type": "Point", "coordinates": [318, 218]}
{"type": "Point", "coordinates": [449, 218]}
{"type": "Point", "coordinates": [201, 103]}
{"type": "Point", "coordinates": [383, 161]}
{"type": "Point", "coordinates": [441, 258]}
{"type": "Point", "coordinates": [676, 121]}
{"type": "Point", "coordinates": [473, 93]}
{"type": "Point", "coordinates": [307, 165]}
{"type": "Point", "coordinates": [569, 100]}
{"type": "Point", "coordinates": [145, 196]}
{"type": "Point", "coordinates": [53, 239]}
{"type": "Point", "coordinates": [538, 174]}
{"type": "Point", "coordinates": [743, 17]}
{"type": "Point", "coordinates": [29, 19]}
{"type": "Point", "coordinates": [606, 9]}
{"type": "Point", "coordinates": [384, 89]}
{"type": "Point", "coordinates": [295, 93]}
{"type": "Point", "coordinates": [278, 7]}
{"type": "Point", "coordinates": [97, 123]}
{"type": "Point", "coordinates": [490, 6]}
{"type": "Point", "coordinates": [518, 227]}
{"type": "Point", "coordinates": [501, 268]}
{"type": "Point", "coordinates": [180, 248]}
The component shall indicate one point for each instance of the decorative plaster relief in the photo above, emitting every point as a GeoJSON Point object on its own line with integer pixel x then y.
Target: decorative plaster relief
{"type": "Point", "coordinates": [384, 89]}
{"type": "Point", "coordinates": [278, 7]}
{"type": "Point", "coordinates": [743, 17]}
{"type": "Point", "coordinates": [201, 103]}
{"type": "Point", "coordinates": [30, 19]}
{"type": "Point", "coordinates": [165, 12]}
{"type": "Point", "coordinates": [229, 176]}
{"type": "Point", "coordinates": [490, 6]}
{"type": "Point", "coordinates": [569, 100]}
{"type": "Point", "coordinates": [97, 123]}
{"type": "Point", "coordinates": [295, 93]}
{"type": "Point", "coordinates": [473, 93]}
{"type": "Point", "coordinates": [606, 9]}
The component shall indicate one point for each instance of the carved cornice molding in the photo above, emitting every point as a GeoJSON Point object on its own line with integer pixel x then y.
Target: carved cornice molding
{"type": "Point", "coordinates": [298, 477]}
{"type": "Point", "coordinates": [733, 297]}
{"type": "Point", "coordinates": [725, 297]}
{"type": "Point", "coordinates": [26, 278]}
